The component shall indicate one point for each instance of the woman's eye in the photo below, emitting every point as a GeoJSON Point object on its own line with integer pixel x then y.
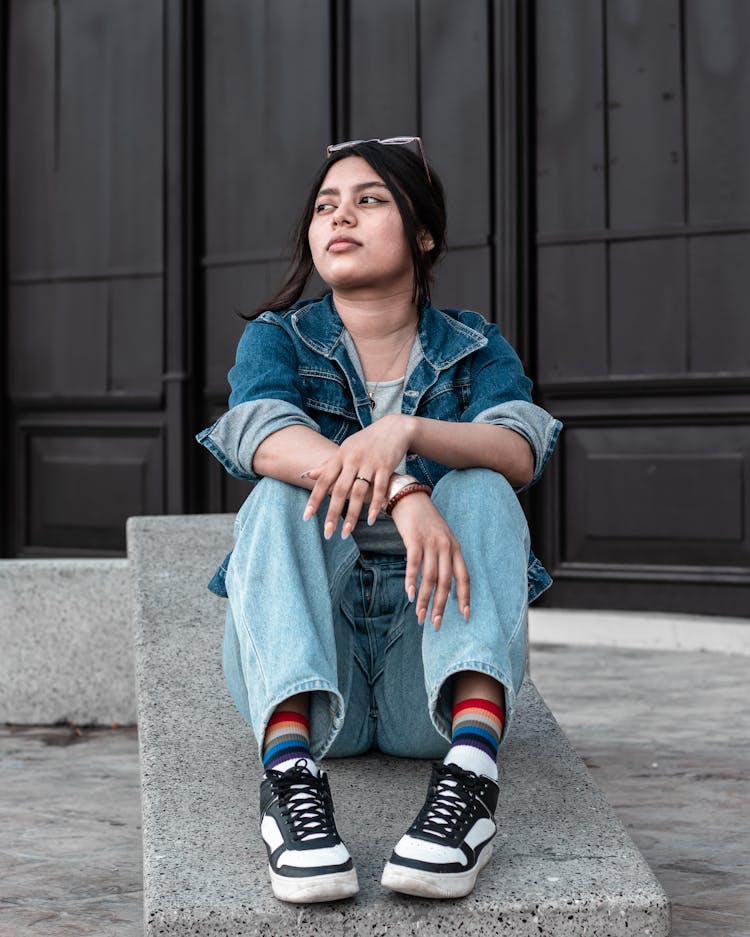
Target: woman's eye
{"type": "Point", "coordinates": [322, 206]}
{"type": "Point", "coordinates": [369, 200]}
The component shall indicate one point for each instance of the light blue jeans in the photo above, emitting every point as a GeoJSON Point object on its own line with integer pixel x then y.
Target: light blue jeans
{"type": "Point", "coordinates": [307, 614]}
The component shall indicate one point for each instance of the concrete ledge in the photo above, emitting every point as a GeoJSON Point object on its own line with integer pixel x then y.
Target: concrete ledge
{"type": "Point", "coordinates": [563, 863]}
{"type": "Point", "coordinates": [658, 631]}
{"type": "Point", "coordinates": [66, 642]}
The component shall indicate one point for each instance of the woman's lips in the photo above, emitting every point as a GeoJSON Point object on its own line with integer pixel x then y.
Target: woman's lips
{"type": "Point", "coordinates": [340, 245]}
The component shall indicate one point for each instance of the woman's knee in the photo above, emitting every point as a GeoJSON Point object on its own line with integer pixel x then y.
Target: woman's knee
{"type": "Point", "coordinates": [271, 494]}
{"type": "Point", "coordinates": [273, 489]}
{"type": "Point", "coordinates": [458, 481]}
{"type": "Point", "coordinates": [477, 490]}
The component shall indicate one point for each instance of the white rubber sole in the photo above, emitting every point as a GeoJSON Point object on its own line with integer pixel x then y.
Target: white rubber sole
{"type": "Point", "coordinates": [332, 887]}
{"type": "Point", "coordinates": [434, 884]}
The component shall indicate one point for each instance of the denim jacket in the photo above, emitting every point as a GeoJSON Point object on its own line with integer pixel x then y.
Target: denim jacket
{"type": "Point", "coordinates": [292, 368]}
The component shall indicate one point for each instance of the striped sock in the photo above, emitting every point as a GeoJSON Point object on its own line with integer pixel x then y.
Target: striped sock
{"type": "Point", "coordinates": [475, 739]}
{"type": "Point", "coordinates": [287, 740]}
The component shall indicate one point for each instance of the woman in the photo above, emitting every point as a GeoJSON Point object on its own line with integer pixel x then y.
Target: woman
{"type": "Point", "coordinates": [381, 572]}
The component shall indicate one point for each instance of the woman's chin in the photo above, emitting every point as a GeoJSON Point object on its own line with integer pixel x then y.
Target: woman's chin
{"type": "Point", "coordinates": [364, 288]}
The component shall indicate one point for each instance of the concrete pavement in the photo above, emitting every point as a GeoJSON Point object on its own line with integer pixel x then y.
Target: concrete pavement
{"type": "Point", "coordinates": [665, 734]}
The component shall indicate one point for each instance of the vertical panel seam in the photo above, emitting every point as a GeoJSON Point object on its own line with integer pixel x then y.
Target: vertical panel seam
{"type": "Point", "coordinates": [108, 365]}
{"type": "Point", "coordinates": [608, 306]}
{"type": "Point", "coordinates": [605, 182]}
{"type": "Point", "coordinates": [493, 52]}
{"type": "Point", "coordinates": [340, 30]}
{"type": "Point", "coordinates": [682, 26]}
{"type": "Point", "coordinates": [7, 465]}
{"type": "Point", "coordinates": [57, 40]}
{"type": "Point", "coordinates": [418, 57]}
{"type": "Point", "coordinates": [333, 68]}
{"type": "Point", "coordinates": [687, 242]}
{"type": "Point", "coordinates": [528, 160]}
{"type": "Point", "coordinates": [605, 114]}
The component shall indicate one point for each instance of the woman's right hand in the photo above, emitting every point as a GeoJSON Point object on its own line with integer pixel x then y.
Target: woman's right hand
{"type": "Point", "coordinates": [359, 472]}
{"type": "Point", "coordinates": [431, 547]}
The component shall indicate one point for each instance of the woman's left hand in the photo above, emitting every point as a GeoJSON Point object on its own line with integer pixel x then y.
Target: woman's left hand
{"type": "Point", "coordinates": [432, 548]}
{"type": "Point", "coordinates": [360, 472]}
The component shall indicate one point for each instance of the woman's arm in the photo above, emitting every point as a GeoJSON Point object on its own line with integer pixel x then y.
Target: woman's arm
{"type": "Point", "coordinates": [473, 445]}
{"type": "Point", "coordinates": [289, 452]}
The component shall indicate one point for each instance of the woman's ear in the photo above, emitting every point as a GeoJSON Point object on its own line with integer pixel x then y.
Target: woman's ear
{"type": "Point", "coordinates": [426, 240]}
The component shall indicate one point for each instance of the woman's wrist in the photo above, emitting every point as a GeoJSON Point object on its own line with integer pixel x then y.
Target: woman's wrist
{"type": "Point", "coordinates": [412, 427]}
{"type": "Point", "coordinates": [409, 486]}
{"type": "Point", "coordinates": [396, 482]}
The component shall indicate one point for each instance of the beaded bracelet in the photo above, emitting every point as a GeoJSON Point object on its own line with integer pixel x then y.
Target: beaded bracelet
{"type": "Point", "coordinates": [403, 492]}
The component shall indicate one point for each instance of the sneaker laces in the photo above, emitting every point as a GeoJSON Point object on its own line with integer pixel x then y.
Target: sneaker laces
{"type": "Point", "coordinates": [446, 806]}
{"type": "Point", "coordinates": [304, 800]}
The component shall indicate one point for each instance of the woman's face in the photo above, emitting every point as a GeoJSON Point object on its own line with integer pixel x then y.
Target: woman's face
{"type": "Point", "coordinates": [356, 235]}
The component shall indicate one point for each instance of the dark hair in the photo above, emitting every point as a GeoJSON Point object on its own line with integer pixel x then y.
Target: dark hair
{"type": "Point", "coordinates": [419, 199]}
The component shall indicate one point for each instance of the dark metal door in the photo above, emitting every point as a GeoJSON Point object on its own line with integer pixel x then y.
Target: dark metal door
{"type": "Point", "coordinates": [642, 276]}
{"type": "Point", "coordinates": [85, 274]}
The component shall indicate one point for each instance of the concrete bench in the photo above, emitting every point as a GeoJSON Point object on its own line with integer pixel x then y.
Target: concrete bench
{"type": "Point", "coordinates": [563, 863]}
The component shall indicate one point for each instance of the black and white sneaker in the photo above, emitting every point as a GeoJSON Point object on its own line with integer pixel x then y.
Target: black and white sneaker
{"type": "Point", "coordinates": [450, 842]}
{"type": "Point", "coordinates": [306, 859]}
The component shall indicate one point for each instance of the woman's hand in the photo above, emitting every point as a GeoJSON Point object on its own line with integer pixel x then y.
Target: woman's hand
{"type": "Point", "coordinates": [371, 454]}
{"type": "Point", "coordinates": [431, 546]}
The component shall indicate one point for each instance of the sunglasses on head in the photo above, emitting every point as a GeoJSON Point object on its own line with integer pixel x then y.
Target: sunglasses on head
{"type": "Point", "coordinates": [389, 141]}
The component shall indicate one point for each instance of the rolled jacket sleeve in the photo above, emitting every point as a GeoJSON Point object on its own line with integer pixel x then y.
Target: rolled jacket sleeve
{"type": "Point", "coordinates": [266, 396]}
{"type": "Point", "coordinates": [235, 436]}
{"type": "Point", "coordinates": [501, 394]}
{"type": "Point", "coordinates": [538, 428]}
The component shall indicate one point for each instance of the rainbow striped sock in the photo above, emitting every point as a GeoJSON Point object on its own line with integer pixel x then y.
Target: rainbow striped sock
{"type": "Point", "coordinates": [287, 740]}
{"type": "Point", "coordinates": [475, 739]}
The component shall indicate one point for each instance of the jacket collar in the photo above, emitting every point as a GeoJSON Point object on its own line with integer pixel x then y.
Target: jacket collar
{"type": "Point", "coordinates": [444, 339]}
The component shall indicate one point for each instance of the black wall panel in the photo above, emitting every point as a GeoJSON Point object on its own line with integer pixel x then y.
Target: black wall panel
{"type": "Point", "coordinates": [719, 324]}
{"type": "Point", "coordinates": [645, 107]}
{"type": "Point", "coordinates": [642, 336]}
{"type": "Point", "coordinates": [573, 337]}
{"type": "Point", "coordinates": [667, 492]}
{"type": "Point", "coordinates": [78, 479]}
{"type": "Point", "coordinates": [570, 141]}
{"type": "Point", "coordinates": [717, 70]}
{"type": "Point", "coordinates": [84, 321]}
{"type": "Point", "coordinates": [648, 331]}
{"type": "Point", "coordinates": [382, 96]}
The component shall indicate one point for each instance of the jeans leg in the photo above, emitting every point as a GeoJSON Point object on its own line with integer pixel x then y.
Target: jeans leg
{"type": "Point", "coordinates": [404, 726]}
{"type": "Point", "coordinates": [483, 512]}
{"type": "Point", "coordinates": [285, 583]}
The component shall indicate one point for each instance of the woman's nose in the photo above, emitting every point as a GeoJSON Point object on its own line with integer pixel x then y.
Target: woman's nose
{"type": "Point", "coordinates": [342, 215]}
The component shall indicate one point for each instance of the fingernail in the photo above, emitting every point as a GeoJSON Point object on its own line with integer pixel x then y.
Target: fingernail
{"type": "Point", "coordinates": [308, 514]}
{"type": "Point", "coordinates": [347, 529]}
{"type": "Point", "coordinates": [411, 594]}
{"type": "Point", "coordinates": [371, 521]}
{"type": "Point", "coordinates": [436, 619]}
{"type": "Point", "coordinates": [328, 530]}
{"type": "Point", "coordinates": [466, 612]}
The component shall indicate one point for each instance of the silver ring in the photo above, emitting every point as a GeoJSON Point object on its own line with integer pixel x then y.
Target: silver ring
{"type": "Point", "coordinates": [361, 478]}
